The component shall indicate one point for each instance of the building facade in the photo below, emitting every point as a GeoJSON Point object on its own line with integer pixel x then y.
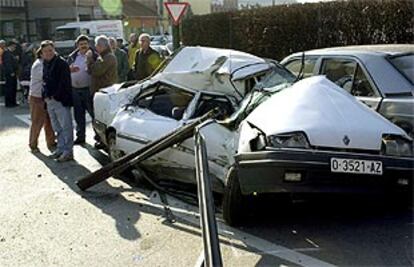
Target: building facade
{"type": "Point", "coordinates": [34, 20]}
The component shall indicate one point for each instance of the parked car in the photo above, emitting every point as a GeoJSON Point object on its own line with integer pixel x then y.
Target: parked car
{"type": "Point", "coordinates": [159, 40]}
{"type": "Point", "coordinates": [382, 76]}
{"type": "Point", "coordinates": [307, 137]}
{"type": "Point", "coordinates": [163, 50]}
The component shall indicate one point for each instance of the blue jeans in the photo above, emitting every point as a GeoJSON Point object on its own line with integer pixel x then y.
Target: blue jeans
{"type": "Point", "coordinates": [82, 102]}
{"type": "Point", "coordinates": [61, 119]}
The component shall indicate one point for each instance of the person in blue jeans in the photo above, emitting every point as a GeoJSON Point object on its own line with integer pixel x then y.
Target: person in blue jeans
{"type": "Point", "coordinates": [81, 81]}
{"type": "Point", "coordinates": [57, 93]}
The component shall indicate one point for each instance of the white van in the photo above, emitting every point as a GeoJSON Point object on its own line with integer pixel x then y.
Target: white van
{"type": "Point", "coordinates": [66, 35]}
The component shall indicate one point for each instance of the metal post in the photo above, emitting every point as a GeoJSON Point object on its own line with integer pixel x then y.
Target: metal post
{"type": "Point", "coordinates": [176, 33]}
{"type": "Point", "coordinates": [211, 243]}
{"type": "Point", "coordinates": [26, 14]}
{"type": "Point", "coordinates": [77, 10]}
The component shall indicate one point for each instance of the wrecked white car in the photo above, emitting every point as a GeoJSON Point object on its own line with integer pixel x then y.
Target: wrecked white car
{"type": "Point", "coordinates": [307, 137]}
{"type": "Point", "coordinates": [194, 81]}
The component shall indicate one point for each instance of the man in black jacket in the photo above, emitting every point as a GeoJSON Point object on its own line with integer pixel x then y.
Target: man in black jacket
{"type": "Point", "coordinates": [57, 92]}
{"type": "Point", "coordinates": [10, 66]}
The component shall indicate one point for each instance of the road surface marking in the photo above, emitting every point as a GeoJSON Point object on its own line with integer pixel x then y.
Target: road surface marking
{"type": "Point", "coordinates": [264, 246]}
{"type": "Point", "coordinates": [25, 118]}
{"type": "Point", "coordinates": [312, 243]}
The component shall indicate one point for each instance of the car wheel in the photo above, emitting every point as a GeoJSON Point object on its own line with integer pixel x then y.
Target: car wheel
{"type": "Point", "coordinates": [233, 199]}
{"type": "Point", "coordinates": [134, 175]}
{"type": "Point", "coordinates": [113, 153]}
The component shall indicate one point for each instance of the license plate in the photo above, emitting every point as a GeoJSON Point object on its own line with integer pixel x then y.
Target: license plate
{"type": "Point", "coordinates": [356, 166]}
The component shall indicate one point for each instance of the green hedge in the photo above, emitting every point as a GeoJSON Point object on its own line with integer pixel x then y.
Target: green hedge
{"type": "Point", "coordinates": [278, 31]}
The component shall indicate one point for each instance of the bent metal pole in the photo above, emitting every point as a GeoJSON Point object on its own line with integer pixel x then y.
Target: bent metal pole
{"type": "Point", "coordinates": [211, 242]}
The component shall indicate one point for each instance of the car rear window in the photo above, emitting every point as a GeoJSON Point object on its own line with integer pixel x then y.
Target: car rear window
{"type": "Point", "coordinates": [405, 64]}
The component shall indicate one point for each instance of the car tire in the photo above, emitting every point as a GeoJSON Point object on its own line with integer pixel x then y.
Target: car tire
{"type": "Point", "coordinates": [112, 153]}
{"type": "Point", "coordinates": [134, 175]}
{"type": "Point", "coordinates": [233, 213]}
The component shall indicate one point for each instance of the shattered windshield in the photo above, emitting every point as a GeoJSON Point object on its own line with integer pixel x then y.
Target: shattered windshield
{"type": "Point", "coordinates": [253, 100]}
{"type": "Point", "coordinates": [277, 79]}
{"type": "Point", "coordinates": [277, 76]}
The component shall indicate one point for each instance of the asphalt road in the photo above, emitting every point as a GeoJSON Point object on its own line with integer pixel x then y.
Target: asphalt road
{"type": "Point", "coordinates": [45, 220]}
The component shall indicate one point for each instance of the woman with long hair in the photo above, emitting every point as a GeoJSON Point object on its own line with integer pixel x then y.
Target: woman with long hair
{"type": "Point", "coordinates": [38, 113]}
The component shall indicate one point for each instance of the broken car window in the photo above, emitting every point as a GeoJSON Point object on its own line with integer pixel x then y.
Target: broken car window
{"type": "Point", "coordinates": [210, 102]}
{"type": "Point", "coordinates": [166, 101]}
{"type": "Point", "coordinates": [276, 76]}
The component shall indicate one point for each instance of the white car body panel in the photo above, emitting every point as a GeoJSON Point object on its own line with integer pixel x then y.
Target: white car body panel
{"type": "Point", "coordinates": [326, 113]}
{"type": "Point", "coordinates": [109, 100]}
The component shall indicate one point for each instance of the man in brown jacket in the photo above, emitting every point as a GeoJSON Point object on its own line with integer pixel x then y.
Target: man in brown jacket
{"type": "Point", "coordinates": [103, 70]}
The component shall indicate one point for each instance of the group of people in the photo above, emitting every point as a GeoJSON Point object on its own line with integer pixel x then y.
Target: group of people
{"type": "Point", "coordinates": [16, 60]}
{"type": "Point", "coordinates": [57, 84]}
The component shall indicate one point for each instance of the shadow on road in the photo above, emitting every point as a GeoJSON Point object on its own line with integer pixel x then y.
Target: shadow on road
{"type": "Point", "coordinates": [103, 196]}
{"type": "Point", "coordinates": [108, 198]}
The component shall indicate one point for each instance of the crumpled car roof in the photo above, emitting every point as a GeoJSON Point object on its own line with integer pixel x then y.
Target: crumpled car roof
{"type": "Point", "coordinates": [326, 113]}
{"type": "Point", "coordinates": [205, 68]}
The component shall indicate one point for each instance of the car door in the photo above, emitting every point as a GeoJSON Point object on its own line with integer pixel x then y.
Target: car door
{"type": "Point", "coordinates": [217, 137]}
{"type": "Point", "coordinates": [350, 74]}
{"type": "Point", "coordinates": [155, 113]}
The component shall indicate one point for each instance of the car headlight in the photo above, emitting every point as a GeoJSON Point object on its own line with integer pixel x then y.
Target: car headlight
{"type": "Point", "coordinates": [394, 145]}
{"type": "Point", "coordinates": [289, 140]}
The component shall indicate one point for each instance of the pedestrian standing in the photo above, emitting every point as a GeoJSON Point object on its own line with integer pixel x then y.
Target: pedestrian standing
{"type": "Point", "coordinates": [2, 49]}
{"type": "Point", "coordinates": [120, 42]}
{"type": "Point", "coordinates": [146, 59]}
{"type": "Point", "coordinates": [81, 80]}
{"type": "Point", "coordinates": [38, 113]}
{"type": "Point", "coordinates": [103, 69]}
{"type": "Point", "coordinates": [57, 92]}
{"type": "Point", "coordinates": [28, 57]}
{"type": "Point", "coordinates": [10, 67]}
{"type": "Point", "coordinates": [121, 59]}
{"type": "Point", "coordinates": [132, 51]}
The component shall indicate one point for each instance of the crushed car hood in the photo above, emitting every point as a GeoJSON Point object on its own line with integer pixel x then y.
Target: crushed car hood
{"type": "Point", "coordinates": [325, 113]}
{"type": "Point", "coordinates": [204, 68]}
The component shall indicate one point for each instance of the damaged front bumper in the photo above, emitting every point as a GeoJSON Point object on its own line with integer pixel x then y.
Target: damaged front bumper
{"type": "Point", "coordinates": [309, 171]}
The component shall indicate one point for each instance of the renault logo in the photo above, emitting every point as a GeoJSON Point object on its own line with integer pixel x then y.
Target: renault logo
{"type": "Point", "coordinates": [346, 140]}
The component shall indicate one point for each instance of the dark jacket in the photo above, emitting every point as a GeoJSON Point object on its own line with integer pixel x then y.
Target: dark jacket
{"type": "Point", "coordinates": [10, 64]}
{"type": "Point", "coordinates": [26, 65]}
{"type": "Point", "coordinates": [146, 63]}
{"type": "Point", "coordinates": [122, 61]}
{"type": "Point", "coordinates": [57, 81]}
{"type": "Point", "coordinates": [103, 71]}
